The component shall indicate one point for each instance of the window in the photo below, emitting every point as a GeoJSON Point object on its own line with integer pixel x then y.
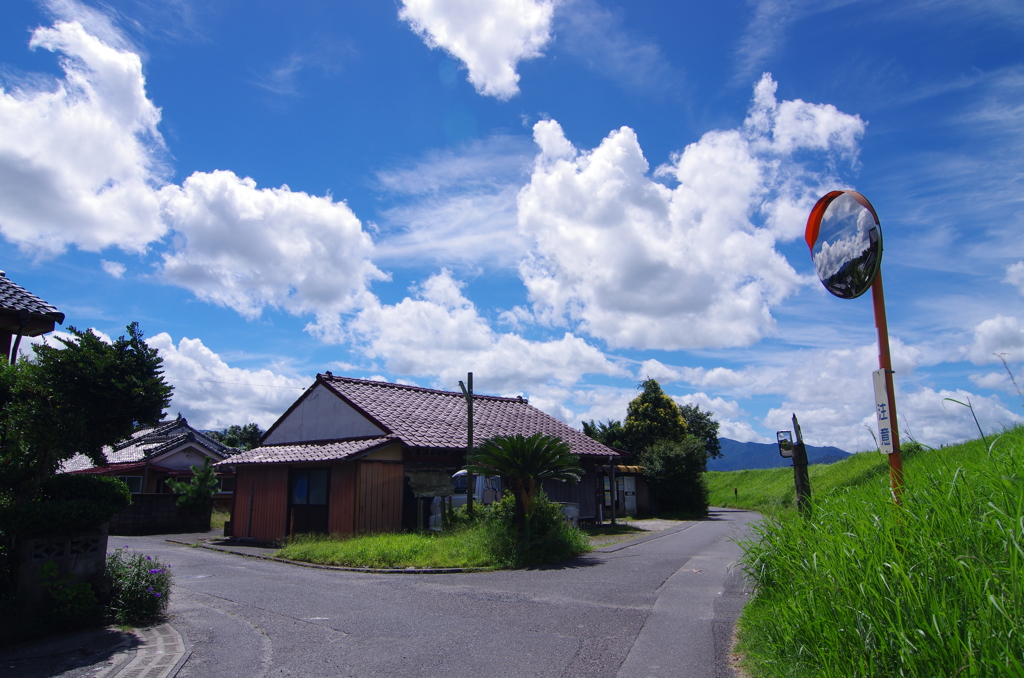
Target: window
{"type": "Point", "coordinates": [308, 487]}
{"type": "Point", "coordinates": [134, 483]}
{"type": "Point", "coordinates": [226, 484]}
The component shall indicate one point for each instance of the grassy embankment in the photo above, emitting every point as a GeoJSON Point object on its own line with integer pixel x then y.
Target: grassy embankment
{"type": "Point", "coordinates": [932, 587]}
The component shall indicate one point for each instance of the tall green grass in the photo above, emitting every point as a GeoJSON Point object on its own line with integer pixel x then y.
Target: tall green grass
{"type": "Point", "coordinates": [467, 548]}
{"type": "Point", "coordinates": [931, 587]}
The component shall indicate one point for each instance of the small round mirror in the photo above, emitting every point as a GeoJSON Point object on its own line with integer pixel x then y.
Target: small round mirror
{"type": "Point", "coordinates": [846, 243]}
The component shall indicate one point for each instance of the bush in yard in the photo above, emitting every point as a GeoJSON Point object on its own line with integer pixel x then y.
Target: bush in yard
{"type": "Point", "coordinates": [196, 496]}
{"type": "Point", "coordinates": [552, 539]}
{"type": "Point", "coordinates": [139, 587]}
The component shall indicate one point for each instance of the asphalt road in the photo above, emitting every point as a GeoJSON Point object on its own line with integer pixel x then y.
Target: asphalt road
{"type": "Point", "coordinates": [663, 605]}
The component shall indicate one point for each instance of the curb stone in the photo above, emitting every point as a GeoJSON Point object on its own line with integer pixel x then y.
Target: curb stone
{"type": "Point", "coordinates": [157, 652]}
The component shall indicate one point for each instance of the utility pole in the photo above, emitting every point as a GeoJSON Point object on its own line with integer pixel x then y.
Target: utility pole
{"type": "Point", "coordinates": [468, 393]}
{"type": "Point", "coordinates": [800, 477]}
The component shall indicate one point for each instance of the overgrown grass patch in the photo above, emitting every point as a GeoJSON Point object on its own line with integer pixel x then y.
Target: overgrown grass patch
{"type": "Point", "coordinates": [218, 518]}
{"type": "Point", "coordinates": [931, 587]}
{"type": "Point", "coordinates": [465, 548]}
{"type": "Point", "coordinates": [487, 540]}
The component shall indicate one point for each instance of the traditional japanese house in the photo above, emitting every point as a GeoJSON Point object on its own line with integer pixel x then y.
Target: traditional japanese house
{"type": "Point", "coordinates": [150, 457]}
{"type": "Point", "coordinates": [352, 455]}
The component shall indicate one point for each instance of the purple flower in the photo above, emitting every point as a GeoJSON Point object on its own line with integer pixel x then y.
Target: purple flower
{"type": "Point", "coordinates": [126, 545]}
{"type": "Point", "coordinates": [156, 571]}
{"type": "Point", "coordinates": [149, 558]}
{"type": "Point", "coordinates": [156, 595]}
{"type": "Point", "coordinates": [150, 588]}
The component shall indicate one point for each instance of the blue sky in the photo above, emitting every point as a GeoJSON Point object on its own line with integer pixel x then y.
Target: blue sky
{"type": "Point", "coordinates": [562, 197]}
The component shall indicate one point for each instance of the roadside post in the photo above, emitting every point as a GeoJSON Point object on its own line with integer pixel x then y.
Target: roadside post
{"type": "Point", "coordinates": [468, 393]}
{"type": "Point", "coordinates": [845, 239]}
{"type": "Point", "coordinates": [798, 453]}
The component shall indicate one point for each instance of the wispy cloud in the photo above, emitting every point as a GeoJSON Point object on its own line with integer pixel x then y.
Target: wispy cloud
{"type": "Point", "coordinates": [596, 36]}
{"type": "Point", "coordinates": [457, 207]}
{"type": "Point", "coordinates": [768, 30]}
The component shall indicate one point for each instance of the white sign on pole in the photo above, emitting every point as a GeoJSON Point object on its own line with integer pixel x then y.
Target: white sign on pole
{"type": "Point", "coordinates": [882, 412]}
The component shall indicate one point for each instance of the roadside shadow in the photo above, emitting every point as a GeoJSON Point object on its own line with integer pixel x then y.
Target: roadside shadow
{"type": "Point", "coordinates": [64, 655]}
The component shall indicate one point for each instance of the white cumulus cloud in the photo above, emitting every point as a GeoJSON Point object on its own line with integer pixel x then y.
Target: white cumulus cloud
{"type": "Point", "coordinates": [79, 162]}
{"type": "Point", "coordinates": [638, 264]}
{"type": "Point", "coordinates": [213, 395]}
{"type": "Point", "coordinates": [996, 336]}
{"type": "Point", "coordinates": [440, 334]}
{"type": "Point", "coordinates": [489, 36]}
{"type": "Point", "coordinates": [248, 248]}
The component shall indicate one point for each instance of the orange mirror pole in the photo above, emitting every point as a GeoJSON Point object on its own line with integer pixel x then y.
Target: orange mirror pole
{"type": "Point", "coordinates": [885, 363]}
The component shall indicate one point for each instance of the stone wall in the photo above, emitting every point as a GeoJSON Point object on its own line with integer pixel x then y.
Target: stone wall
{"type": "Point", "coordinates": [82, 554]}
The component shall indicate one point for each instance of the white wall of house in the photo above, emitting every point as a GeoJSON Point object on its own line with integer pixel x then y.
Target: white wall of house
{"type": "Point", "coordinates": [181, 460]}
{"type": "Point", "coordinates": [321, 416]}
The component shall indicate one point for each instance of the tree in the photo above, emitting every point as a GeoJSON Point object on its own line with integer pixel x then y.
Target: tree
{"type": "Point", "coordinates": [196, 495]}
{"type": "Point", "coordinates": [243, 437]}
{"type": "Point", "coordinates": [701, 426]}
{"type": "Point", "coordinates": [608, 433]}
{"type": "Point", "coordinates": [75, 398]}
{"type": "Point", "coordinates": [652, 417]}
{"type": "Point", "coordinates": [525, 462]}
{"type": "Point", "coordinates": [675, 471]}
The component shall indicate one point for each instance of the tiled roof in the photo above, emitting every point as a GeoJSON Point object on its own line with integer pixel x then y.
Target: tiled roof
{"type": "Point", "coordinates": [151, 442]}
{"type": "Point", "coordinates": [325, 451]}
{"type": "Point", "coordinates": [423, 417]}
{"type": "Point", "coordinates": [14, 297]}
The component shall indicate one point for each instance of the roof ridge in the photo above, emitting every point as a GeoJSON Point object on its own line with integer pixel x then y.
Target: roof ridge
{"type": "Point", "coordinates": [328, 441]}
{"type": "Point", "coordinates": [329, 378]}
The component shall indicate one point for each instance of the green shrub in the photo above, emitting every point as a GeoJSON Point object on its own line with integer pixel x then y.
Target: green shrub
{"type": "Point", "coordinates": [75, 602]}
{"type": "Point", "coordinates": [67, 502]}
{"type": "Point", "coordinates": [551, 539]}
{"type": "Point", "coordinates": [675, 472]}
{"type": "Point", "coordinates": [196, 495]}
{"type": "Point", "coordinates": [139, 587]}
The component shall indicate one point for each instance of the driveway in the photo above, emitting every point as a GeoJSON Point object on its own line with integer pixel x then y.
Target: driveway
{"type": "Point", "coordinates": [660, 605]}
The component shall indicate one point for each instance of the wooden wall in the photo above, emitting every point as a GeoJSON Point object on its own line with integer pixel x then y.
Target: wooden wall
{"type": "Point", "coordinates": [341, 504]}
{"type": "Point", "coordinates": [379, 496]}
{"type": "Point", "coordinates": [267, 484]}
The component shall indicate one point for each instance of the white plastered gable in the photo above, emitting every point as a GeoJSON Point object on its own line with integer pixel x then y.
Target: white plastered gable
{"type": "Point", "coordinates": [183, 458]}
{"type": "Point", "coordinates": [322, 415]}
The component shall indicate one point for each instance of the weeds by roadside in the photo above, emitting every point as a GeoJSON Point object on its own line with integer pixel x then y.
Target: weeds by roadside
{"type": "Point", "coordinates": [140, 587]}
{"type": "Point", "coordinates": [931, 587]}
{"type": "Point", "coordinates": [487, 540]}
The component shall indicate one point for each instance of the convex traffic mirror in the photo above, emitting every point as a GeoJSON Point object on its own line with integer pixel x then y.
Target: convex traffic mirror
{"type": "Point", "coordinates": [846, 243]}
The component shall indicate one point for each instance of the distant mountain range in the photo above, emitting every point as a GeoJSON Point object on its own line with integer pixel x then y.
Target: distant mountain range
{"type": "Point", "coordinates": [737, 456]}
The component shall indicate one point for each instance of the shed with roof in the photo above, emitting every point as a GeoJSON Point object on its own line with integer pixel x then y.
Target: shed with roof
{"type": "Point", "coordinates": [22, 314]}
{"type": "Point", "coordinates": [355, 455]}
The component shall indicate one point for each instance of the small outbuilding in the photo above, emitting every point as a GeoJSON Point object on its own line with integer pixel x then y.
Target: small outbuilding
{"type": "Point", "coordinates": [355, 455]}
{"type": "Point", "coordinates": [22, 314]}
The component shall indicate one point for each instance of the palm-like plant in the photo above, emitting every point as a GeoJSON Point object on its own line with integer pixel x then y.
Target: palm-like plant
{"type": "Point", "coordinates": [525, 462]}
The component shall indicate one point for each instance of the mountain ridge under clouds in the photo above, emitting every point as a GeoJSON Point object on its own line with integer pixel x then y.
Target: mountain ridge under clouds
{"type": "Point", "coordinates": [737, 456]}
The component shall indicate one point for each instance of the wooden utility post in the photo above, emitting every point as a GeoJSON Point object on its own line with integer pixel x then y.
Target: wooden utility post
{"type": "Point", "coordinates": [468, 393]}
{"type": "Point", "coordinates": [885, 363]}
{"type": "Point", "coordinates": [615, 488]}
{"type": "Point", "coordinates": [800, 476]}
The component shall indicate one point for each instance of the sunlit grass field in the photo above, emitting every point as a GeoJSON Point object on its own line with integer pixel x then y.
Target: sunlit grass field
{"type": "Point", "coordinates": [465, 548]}
{"type": "Point", "coordinates": [931, 587]}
